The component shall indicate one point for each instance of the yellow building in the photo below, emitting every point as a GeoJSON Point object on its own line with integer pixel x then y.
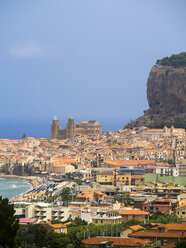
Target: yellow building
{"type": "Point", "coordinates": [124, 178]}
{"type": "Point", "coordinates": [105, 177]}
{"type": "Point", "coordinates": [112, 177]}
{"type": "Point", "coordinates": [181, 209]}
{"type": "Point", "coordinates": [111, 217]}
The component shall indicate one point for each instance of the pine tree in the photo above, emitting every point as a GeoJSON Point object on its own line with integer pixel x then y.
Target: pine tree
{"type": "Point", "coordinates": [9, 225]}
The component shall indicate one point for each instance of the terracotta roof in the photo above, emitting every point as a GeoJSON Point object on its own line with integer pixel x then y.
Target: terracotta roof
{"type": "Point", "coordinates": [76, 212]}
{"type": "Point", "coordinates": [176, 227]}
{"type": "Point", "coordinates": [129, 162]}
{"type": "Point", "coordinates": [87, 193]}
{"type": "Point", "coordinates": [133, 212]}
{"type": "Point", "coordinates": [154, 130]}
{"type": "Point", "coordinates": [57, 226]}
{"type": "Point", "coordinates": [155, 233]}
{"type": "Point", "coordinates": [129, 242]}
{"type": "Point", "coordinates": [136, 227]}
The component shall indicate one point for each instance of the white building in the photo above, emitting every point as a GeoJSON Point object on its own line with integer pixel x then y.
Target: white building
{"type": "Point", "coordinates": [168, 171]}
{"type": "Point", "coordinates": [42, 211]}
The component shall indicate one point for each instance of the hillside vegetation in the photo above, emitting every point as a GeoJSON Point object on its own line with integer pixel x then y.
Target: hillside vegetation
{"type": "Point", "coordinates": [176, 60]}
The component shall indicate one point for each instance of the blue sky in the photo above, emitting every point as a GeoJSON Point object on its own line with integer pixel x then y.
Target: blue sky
{"type": "Point", "coordinates": [86, 58]}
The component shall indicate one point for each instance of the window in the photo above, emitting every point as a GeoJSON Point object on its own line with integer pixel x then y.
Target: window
{"type": "Point", "coordinates": [164, 242]}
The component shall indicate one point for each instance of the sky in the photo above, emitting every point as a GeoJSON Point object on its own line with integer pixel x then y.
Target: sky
{"type": "Point", "coordinates": [86, 58]}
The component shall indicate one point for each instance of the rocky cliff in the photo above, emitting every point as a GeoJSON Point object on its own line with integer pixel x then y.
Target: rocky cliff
{"type": "Point", "coordinates": [166, 94]}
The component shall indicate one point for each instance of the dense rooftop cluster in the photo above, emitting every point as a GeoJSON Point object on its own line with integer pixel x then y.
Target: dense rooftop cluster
{"type": "Point", "coordinates": [108, 182]}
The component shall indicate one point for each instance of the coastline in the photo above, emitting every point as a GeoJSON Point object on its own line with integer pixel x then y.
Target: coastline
{"type": "Point", "coordinates": [33, 180]}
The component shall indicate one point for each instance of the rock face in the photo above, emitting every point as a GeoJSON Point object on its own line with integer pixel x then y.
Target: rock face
{"type": "Point", "coordinates": [166, 94]}
{"type": "Point", "coordinates": [166, 89]}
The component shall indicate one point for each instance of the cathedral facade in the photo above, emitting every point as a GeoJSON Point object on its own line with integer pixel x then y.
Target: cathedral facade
{"type": "Point", "coordinates": [91, 128]}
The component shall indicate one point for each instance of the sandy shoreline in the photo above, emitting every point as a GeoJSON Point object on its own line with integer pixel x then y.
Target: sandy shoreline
{"type": "Point", "coordinates": [33, 180]}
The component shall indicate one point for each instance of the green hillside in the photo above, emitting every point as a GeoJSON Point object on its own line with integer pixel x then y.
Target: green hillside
{"type": "Point", "coordinates": [176, 60]}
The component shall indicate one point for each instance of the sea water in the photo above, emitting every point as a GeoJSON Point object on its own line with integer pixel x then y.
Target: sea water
{"type": "Point", "coordinates": [11, 187]}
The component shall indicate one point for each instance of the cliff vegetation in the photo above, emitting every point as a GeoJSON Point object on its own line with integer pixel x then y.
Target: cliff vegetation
{"type": "Point", "coordinates": [176, 60]}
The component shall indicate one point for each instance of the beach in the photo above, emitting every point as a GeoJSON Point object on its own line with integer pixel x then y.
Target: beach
{"type": "Point", "coordinates": [33, 180]}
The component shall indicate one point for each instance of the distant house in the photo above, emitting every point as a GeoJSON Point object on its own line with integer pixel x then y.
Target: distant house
{"type": "Point", "coordinates": [163, 236]}
{"type": "Point", "coordinates": [110, 217]}
{"type": "Point", "coordinates": [129, 230]}
{"type": "Point", "coordinates": [162, 205]}
{"type": "Point", "coordinates": [181, 210]}
{"type": "Point", "coordinates": [136, 214]}
{"type": "Point", "coordinates": [89, 196]}
{"type": "Point", "coordinates": [137, 179]}
{"type": "Point", "coordinates": [58, 228]}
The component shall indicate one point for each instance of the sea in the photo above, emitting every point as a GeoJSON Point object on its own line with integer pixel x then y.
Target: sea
{"type": "Point", "coordinates": [14, 129]}
{"type": "Point", "coordinates": [12, 187]}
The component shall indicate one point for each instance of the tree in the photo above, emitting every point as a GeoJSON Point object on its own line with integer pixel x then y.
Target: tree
{"type": "Point", "coordinates": [160, 217]}
{"type": "Point", "coordinates": [56, 240]}
{"type": "Point", "coordinates": [78, 222]}
{"type": "Point", "coordinates": [127, 199]}
{"type": "Point", "coordinates": [116, 194]}
{"type": "Point", "coordinates": [96, 197]}
{"type": "Point", "coordinates": [9, 225]}
{"type": "Point", "coordinates": [38, 236]}
{"type": "Point", "coordinates": [181, 244]}
{"type": "Point", "coordinates": [78, 181]}
{"type": "Point", "coordinates": [32, 234]}
{"type": "Point", "coordinates": [66, 195]}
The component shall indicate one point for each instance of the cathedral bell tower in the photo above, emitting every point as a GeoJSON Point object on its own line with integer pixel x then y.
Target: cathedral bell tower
{"type": "Point", "coordinates": [71, 128]}
{"type": "Point", "coordinates": [55, 128]}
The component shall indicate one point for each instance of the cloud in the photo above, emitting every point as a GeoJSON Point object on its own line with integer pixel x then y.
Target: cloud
{"type": "Point", "coordinates": [29, 49]}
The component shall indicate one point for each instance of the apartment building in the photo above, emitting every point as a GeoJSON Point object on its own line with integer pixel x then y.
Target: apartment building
{"type": "Point", "coordinates": [42, 211]}
{"type": "Point", "coordinates": [110, 217]}
{"type": "Point", "coordinates": [159, 205]}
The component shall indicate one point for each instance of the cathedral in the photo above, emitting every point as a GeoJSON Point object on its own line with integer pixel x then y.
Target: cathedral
{"type": "Point", "coordinates": [90, 128]}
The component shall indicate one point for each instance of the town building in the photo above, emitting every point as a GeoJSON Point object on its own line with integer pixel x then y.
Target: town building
{"type": "Point", "coordinates": [163, 236]}
{"type": "Point", "coordinates": [129, 230]}
{"type": "Point", "coordinates": [90, 128]}
{"type": "Point", "coordinates": [130, 214]}
{"type": "Point", "coordinates": [182, 167]}
{"type": "Point", "coordinates": [159, 205]}
{"type": "Point", "coordinates": [111, 217]}
{"type": "Point", "coordinates": [181, 209]}
{"type": "Point", "coordinates": [42, 211]}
